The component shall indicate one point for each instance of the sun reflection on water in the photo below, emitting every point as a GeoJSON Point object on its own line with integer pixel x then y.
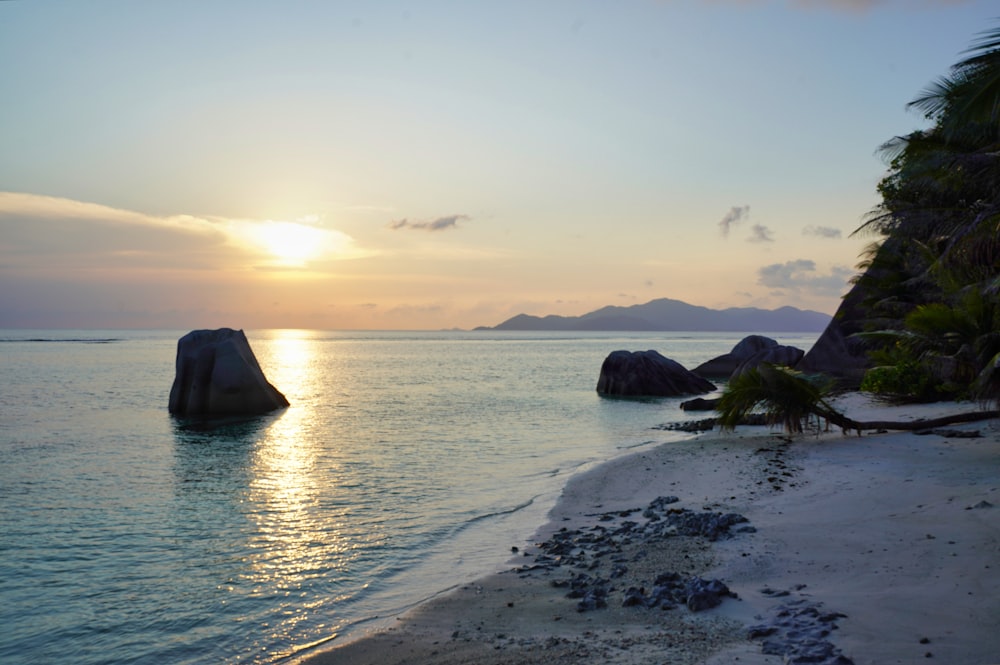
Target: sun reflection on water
{"type": "Point", "coordinates": [298, 538]}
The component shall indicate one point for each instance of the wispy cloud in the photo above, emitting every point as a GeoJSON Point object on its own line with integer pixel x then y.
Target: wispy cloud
{"type": "Point", "coordinates": [801, 275]}
{"type": "Point", "coordinates": [67, 235]}
{"type": "Point", "coordinates": [439, 224]}
{"type": "Point", "coordinates": [866, 5]}
{"type": "Point", "coordinates": [735, 215]}
{"type": "Point", "coordinates": [760, 233]}
{"type": "Point", "coordinates": [858, 5]}
{"type": "Point", "coordinates": [821, 231]}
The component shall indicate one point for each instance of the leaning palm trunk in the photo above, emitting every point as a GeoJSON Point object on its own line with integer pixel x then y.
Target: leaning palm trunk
{"type": "Point", "coordinates": [788, 398]}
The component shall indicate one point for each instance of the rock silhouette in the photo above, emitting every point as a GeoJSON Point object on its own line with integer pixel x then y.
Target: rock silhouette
{"type": "Point", "coordinates": [217, 374]}
{"type": "Point", "coordinates": [647, 373]}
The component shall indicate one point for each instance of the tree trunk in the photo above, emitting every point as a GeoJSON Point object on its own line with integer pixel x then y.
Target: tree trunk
{"type": "Point", "coordinates": [846, 423]}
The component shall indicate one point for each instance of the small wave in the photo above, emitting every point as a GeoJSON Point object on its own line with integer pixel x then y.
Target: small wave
{"type": "Point", "coordinates": [499, 513]}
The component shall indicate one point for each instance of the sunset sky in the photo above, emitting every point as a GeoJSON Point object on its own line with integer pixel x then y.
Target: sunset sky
{"type": "Point", "coordinates": [427, 165]}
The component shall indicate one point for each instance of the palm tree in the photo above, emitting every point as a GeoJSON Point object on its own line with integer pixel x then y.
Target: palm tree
{"type": "Point", "coordinates": [789, 398]}
{"type": "Point", "coordinates": [966, 104]}
{"type": "Point", "coordinates": [939, 224]}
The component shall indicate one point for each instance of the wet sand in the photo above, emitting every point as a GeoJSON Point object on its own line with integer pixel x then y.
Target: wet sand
{"type": "Point", "coordinates": [883, 548]}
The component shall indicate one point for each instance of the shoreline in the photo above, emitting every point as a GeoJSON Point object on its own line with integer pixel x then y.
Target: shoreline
{"type": "Point", "coordinates": [892, 539]}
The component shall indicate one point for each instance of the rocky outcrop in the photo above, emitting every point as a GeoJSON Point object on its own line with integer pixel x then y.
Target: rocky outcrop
{"type": "Point", "coordinates": [647, 373]}
{"type": "Point", "coordinates": [700, 404]}
{"type": "Point", "coordinates": [787, 356]}
{"type": "Point", "coordinates": [217, 374]}
{"type": "Point", "coordinates": [722, 367]}
{"type": "Point", "coordinates": [835, 353]}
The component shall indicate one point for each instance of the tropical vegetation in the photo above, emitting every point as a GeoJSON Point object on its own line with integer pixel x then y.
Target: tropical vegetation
{"type": "Point", "coordinates": [931, 280]}
{"type": "Point", "coordinates": [793, 400]}
{"type": "Point", "coordinates": [929, 283]}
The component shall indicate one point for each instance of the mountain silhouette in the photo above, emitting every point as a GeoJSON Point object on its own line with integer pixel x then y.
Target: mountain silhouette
{"type": "Point", "coordinates": [665, 314]}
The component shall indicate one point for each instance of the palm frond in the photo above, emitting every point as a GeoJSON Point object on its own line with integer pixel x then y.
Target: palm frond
{"type": "Point", "coordinates": [786, 397]}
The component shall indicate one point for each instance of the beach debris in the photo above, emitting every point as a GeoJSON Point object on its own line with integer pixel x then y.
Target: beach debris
{"type": "Point", "coordinates": [647, 374]}
{"type": "Point", "coordinates": [217, 374]}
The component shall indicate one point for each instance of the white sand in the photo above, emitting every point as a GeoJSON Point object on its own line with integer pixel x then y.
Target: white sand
{"type": "Point", "coordinates": [880, 528]}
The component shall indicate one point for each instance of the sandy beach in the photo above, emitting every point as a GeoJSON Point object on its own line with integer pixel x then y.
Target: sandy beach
{"type": "Point", "coordinates": [883, 548]}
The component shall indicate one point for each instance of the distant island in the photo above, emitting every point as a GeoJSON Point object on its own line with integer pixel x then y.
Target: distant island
{"type": "Point", "coordinates": [665, 314]}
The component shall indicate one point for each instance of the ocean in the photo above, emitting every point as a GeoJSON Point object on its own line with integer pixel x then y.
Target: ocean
{"type": "Point", "coordinates": [407, 463]}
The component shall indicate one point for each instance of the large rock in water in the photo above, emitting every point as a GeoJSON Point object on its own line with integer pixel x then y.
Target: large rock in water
{"type": "Point", "coordinates": [647, 373]}
{"type": "Point", "coordinates": [722, 367]}
{"type": "Point", "coordinates": [787, 356]}
{"type": "Point", "coordinates": [217, 374]}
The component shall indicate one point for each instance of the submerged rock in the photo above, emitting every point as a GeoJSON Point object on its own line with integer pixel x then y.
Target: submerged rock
{"type": "Point", "coordinates": [217, 374]}
{"type": "Point", "coordinates": [648, 373]}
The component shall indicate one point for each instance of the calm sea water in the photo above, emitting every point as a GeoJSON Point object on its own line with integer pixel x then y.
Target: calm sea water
{"type": "Point", "coordinates": [407, 463]}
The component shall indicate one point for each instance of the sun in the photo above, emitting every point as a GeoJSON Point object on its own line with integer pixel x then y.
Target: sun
{"type": "Point", "coordinates": [290, 243]}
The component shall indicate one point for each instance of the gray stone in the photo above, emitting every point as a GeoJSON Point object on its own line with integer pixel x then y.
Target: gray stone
{"type": "Point", "coordinates": [787, 356]}
{"type": "Point", "coordinates": [217, 374]}
{"type": "Point", "coordinates": [699, 404]}
{"type": "Point", "coordinates": [647, 373]}
{"type": "Point", "coordinates": [722, 367]}
{"type": "Point", "coordinates": [836, 352]}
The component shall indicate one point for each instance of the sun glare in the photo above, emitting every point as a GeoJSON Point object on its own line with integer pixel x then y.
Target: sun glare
{"type": "Point", "coordinates": [290, 243]}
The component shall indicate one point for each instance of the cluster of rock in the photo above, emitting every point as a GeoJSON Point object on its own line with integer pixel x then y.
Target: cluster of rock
{"type": "Point", "coordinates": [797, 630]}
{"type": "Point", "coordinates": [650, 374]}
{"type": "Point", "coordinates": [669, 590]}
{"type": "Point", "coordinates": [750, 352]}
{"type": "Point", "coordinates": [585, 551]}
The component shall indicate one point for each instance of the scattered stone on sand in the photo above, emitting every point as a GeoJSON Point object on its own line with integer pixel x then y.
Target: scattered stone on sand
{"type": "Point", "coordinates": [708, 424]}
{"type": "Point", "coordinates": [797, 630]}
{"type": "Point", "coordinates": [601, 548]}
{"type": "Point", "coordinates": [952, 433]}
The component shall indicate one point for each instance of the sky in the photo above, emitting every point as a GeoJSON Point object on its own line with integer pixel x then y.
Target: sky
{"type": "Point", "coordinates": [437, 165]}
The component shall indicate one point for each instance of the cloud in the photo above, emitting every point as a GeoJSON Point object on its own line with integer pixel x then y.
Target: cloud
{"type": "Point", "coordinates": [865, 5]}
{"type": "Point", "coordinates": [735, 215]}
{"type": "Point", "coordinates": [56, 235]}
{"type": "Point", "coordinates": [821, 231]}
{"type": "Point", "coordinates": [861, 6]}
{"type": "Point", "coordinates": [64, 233]}
{"type": "Point", "coordinates": [800, 275]}
{"type": "Point", "coordinates": [439, 224]}
{"type": "Point", "coordinates": [760, 233]}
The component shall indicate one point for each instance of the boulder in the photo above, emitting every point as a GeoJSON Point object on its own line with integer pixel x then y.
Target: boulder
{"type": "Point", "coordinates": [700, 404]}
{"type": "Point", "coordinates": [788, 356]}
{"type": "Point", "coordinates": [217, 374]}
{"type": "Point", "coordinates": [722, 367]}
{"type": "Point", "coordinates": [836, 352]}
{"type": "Point", "coordinates": [647, 373]}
